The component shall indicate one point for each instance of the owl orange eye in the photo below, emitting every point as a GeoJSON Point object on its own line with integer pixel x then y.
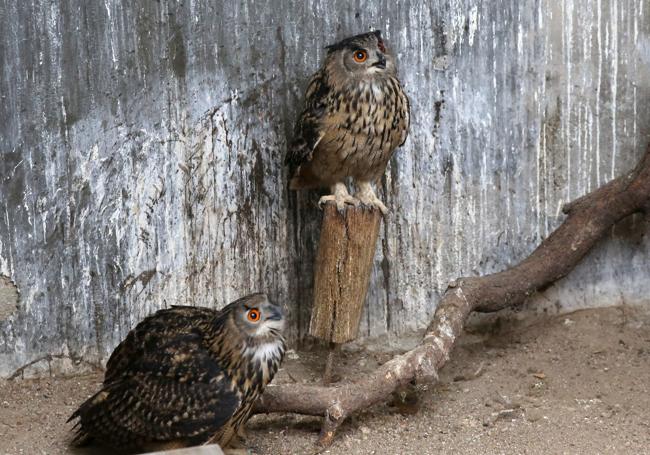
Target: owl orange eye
{"type": "Point", "coordinates": [360, 56]}
{"type": "Point", "coordinates": [253, 315]}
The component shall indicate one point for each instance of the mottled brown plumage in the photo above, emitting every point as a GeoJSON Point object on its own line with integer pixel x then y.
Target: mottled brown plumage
{"type": "Point", "coordinates": [355, 115]}
{"type": "Point", "coordinates": [185, 376]}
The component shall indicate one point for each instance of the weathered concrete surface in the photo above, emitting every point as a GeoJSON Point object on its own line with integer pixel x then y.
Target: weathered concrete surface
{"type": "Point", "coordinates": [142, 145]}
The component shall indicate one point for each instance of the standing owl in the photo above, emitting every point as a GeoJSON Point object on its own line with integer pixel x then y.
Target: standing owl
{"type": "Point", "coordinates": [355, 115]}
{"type": "Point", "coordinates": [185, 376]}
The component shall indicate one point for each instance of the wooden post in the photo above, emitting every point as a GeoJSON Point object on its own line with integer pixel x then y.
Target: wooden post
{"type": "Point", "coordinates": [342, 271]}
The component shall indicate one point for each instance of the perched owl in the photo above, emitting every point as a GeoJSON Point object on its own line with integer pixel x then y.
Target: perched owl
{"type": "Point", "coordinates": [185, 376]}
{"type": "Point", "coordinates": [355, 115]}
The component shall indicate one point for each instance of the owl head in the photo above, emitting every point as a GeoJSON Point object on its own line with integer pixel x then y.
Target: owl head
{"type": "Point", "coordinates": [256, 317]}
{"type": "Point", "coordinates": [361, 56]}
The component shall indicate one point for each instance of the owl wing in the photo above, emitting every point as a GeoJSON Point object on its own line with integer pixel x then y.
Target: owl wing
{"type": "Point", "coordinates": [407, 118]}
{"type": "Point", "coordinates": [176, 391]}
{"type": "Point", "coordinates": [152, 332]}
{"type": "Point", "coordinates": [309, 131]}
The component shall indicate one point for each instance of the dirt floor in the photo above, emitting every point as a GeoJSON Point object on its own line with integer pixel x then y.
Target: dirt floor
{"type": "Point", "coordinates": [574, 384]}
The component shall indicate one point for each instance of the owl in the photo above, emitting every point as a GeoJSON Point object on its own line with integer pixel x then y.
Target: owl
{"type": "Point", "coordinates": [355, 115]}
{"type": "Point", "coordinates": [185, 376]}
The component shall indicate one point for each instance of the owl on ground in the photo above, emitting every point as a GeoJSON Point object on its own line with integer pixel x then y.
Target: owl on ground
{"type": "Point", "coordinates": [185, 376]}
{"type": "Point", "coordinates": [355, 115]}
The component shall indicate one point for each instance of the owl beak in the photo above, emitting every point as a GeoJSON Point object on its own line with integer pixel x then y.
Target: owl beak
{"type": "Point", "coordinates": [381, 61]}
{"type": "Point", "coordinates": [276, 314]}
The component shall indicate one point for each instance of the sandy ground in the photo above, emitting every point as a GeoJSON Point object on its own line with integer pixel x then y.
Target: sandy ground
{"type": "Point", "coordinates": [575, 384]}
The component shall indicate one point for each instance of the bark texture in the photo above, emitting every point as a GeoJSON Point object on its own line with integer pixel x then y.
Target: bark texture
{"type": "Point", "coordinates": [342, 271]}
{"type": "Point", "coordinates": [588, 220]}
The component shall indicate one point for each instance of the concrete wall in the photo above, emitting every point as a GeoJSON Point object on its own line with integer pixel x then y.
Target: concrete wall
{"type": "Point", "coordinates": [142, 146]}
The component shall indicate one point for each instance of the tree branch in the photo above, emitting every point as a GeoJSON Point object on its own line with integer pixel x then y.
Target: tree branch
{"type": "Point", "coordinates": [589, 218]}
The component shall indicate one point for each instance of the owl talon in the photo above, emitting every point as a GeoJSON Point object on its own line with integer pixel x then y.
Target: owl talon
{"type": "Point", "coordinates": [339, 200]}
{"type": "Point", "coordinates": [368, 198]}
{"type": "Point", "coordinates": [340, 197]}
{"type": "Point", "coordinates": [378, 205]}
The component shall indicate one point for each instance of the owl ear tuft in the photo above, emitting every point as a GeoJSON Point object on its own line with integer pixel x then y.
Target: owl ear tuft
{"type": "Point", "coordinates": [380, 41]}
{"type": "Point", "coordinates": [333, 47]}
